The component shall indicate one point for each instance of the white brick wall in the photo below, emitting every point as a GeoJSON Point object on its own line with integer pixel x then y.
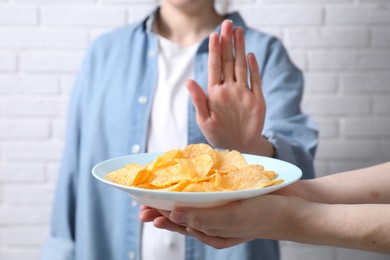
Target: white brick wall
{"type": "Point", "coordinates": [343, 46]}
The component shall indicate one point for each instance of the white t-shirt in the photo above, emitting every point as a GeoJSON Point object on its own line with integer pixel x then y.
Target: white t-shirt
{"type": "Point", "coordinates": [168, 130]}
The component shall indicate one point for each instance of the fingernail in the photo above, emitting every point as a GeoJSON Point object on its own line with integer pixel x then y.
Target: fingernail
{"type": "Point", "coordinates": [178, 217]}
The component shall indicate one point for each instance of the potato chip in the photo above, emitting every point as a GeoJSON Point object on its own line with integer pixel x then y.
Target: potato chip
{"type": "Point", "coordinates": [231, 160]}
{"type": "Point", "coordinates": [125, 175]}
{"type": "Point", "coordinates": [172, 175]}
{"type": "Point", "coordinates": [165, 160]}
{"type": "Point", "coordinates": [200, 187]}
{"type": "Point", "coordinates": [246, 178]}
{"type": "Point", "coordinates": [196, 168]}
{"type": "Point", "coordinates": [195, 150]}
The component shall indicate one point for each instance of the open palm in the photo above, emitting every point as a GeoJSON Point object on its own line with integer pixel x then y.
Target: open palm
{"type": "Point", "coordinates": [231, 115]}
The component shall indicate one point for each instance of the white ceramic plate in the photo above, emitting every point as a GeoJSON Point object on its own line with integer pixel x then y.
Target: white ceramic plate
{"type": "Point", "coordinates": [168, 200]}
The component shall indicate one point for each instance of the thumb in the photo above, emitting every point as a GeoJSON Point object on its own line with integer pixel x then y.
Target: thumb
{"type": "Point", "coordinates": [199, 99]}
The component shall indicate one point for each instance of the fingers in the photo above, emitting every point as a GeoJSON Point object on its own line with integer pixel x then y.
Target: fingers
{"type": "Point", "coordinates": [164, 223]}
{"type": "Point", "coordinates": [240, 64]}
{"type": "Point", "coordinates": [214, 62]}
{"type": "Point", "coordinates": [148, 214]}
{"type": "Point", "coordinates": [227, 50]}
{"type": "Point", "coordinates": [211, 222]}
{"type": "Point", "coordinates": [223, 63]}
{"type": "Point", "coordinates": [216, 242]}
{"type": "Point", "coordinates": [255, 78]}
{"type": "Point", "coordinates": [199, 99]}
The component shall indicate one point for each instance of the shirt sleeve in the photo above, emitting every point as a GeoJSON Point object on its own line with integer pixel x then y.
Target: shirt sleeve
{"type": "Point", "coordinates": [293, 134]}
{"type": "Point", "coordinates": [60, 243]}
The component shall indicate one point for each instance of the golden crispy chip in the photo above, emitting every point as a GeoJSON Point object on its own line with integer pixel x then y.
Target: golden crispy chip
{"type": "Point", "coordinates": [202, 164]}
{"type": "Point", "coordinates": [142, 176]}
{"type": "Point", "coordinates": [172, 175]}
{"type": "Point", "coordinates": [195, 150]}
{"type": "Point", "coordinates": [180, 186]}
{"type": "Point", "coordinates": [196, 168]}
{"type": "Point", "coordinates": [247, 178]}
{"type": "Point", "coordinates": [271, 175]}
{"type": "Point", "coordinates": [125, 175]}
{"type": "Point", "coordinates": [231, 160]}
{"type": "Point", "coordinates": [200, 187]}
{"type": "Point", "coordinates": [274, 182]}
{"type": "Point", "coordinates": [166, 159]}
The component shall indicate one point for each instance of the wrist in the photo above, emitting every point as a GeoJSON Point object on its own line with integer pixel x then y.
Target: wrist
{"type": "Point", "coordinates": [296, 212]}
{"type": "Point", "coordinates": [266, 147]}
{"type": "Point", "coordinates": [303, 219]}
{"type": "Point", "coordinates": [261, 146]}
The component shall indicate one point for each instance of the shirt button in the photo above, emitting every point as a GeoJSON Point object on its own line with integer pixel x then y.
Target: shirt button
{"type": "Point", "coordinates": [136, 148]}
{"type": "Point", "coordinates": [131, 254]}
{"type": "Point", "coordinates": [134, 203]}
{"type": "Point", "coordinates": [151, 53]}
{"type": "Point", "coordinates": [143, 100]}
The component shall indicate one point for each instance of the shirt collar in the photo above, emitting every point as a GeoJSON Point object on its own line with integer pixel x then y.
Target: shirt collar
{"type": "Point", "coordinates": [147, 24]}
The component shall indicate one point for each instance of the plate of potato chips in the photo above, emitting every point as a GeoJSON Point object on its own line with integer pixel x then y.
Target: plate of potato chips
{"type": "Point", "coordinates": [196, 176]}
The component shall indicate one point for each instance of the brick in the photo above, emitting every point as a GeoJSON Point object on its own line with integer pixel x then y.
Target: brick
{"type": "Point", "coordinates": [83, 16]}
{"type": "Point", "coordinates": [321, 168]}
{"type": "Point", "coordinates": [271, 15]}
{"type": "Point", "coordinates": [42, 107]}
{"type": "Point", "coordinates": [39, 84]}
{"type": "Point", "coordinates": [22, 172]}
{"type": "Point", "coordinates": [366, 127]}
{"type": "Point", "coordinates": [24, 215]}
{"type": "Point", "coordinates": [335, 106]}
{"type": "Point", "coordinates": [134, 2]}
{"type": "Point", "coordinates": [28, 194]}
{"type": "Point", "coordinates": [29, 84]}
{"type": "Point", "coordinates": [8, 62]}
{"type": "Point", "coordinates": [349, 60]}
{"type": "Point", "coordinates": [24, 129]}
{"type": "Point", "coordinates": [32, 151]}
{"type": "Point", "coordinates": [139, 11]}
{"type": "Point", "coordinates": [41, 38]}
{"type": "Point", "coordinates": [381, 37]}
{"type": "Point", "coordinates": [357, 15]}
{"type": "Point", "coordinates": [327, 127]}
{"type": "Point", "coordinates": [20, 253]}
{"type": "Point", "coordinates": [96, 33]}
{"type": "Point", "coordinates": [385, 150]}
{"type": "Point", "coordinates": [297, 251]}
{"type": "Point", "coordinates": [344, 253]}
{"type": "Point", "coordinates": [59, 129]}
{"type": "Point", "coordinates": [349, 165]}
{"type": "Point", "coordinates": [52, 172]}
{"type": "Point", "coordinates": [300, 1]}
{"type": "Point", "coordinates": [52, 62]}
{"type": "Point", "coordinates": [16, 16]}
{"type": "Point", "coordinates": [272, 30]}
{"type": "Point", "coordinates": [53, 1]}
{"type": "Point", "coordinates": [366, 83]}
{"type": "Point", "coordinates": [9, 85]}
{"type": "Point", "coordinates": [348, 149]}
{"type": "Point", "coordinates": [307, 37]}
{"type": "Point", "coordinates": [67, 83]}
{"type": "Point", "coordinates": [320, 82]}
{"type": "Point", "coordinates": [299, 58]}
{"type": "Point", "coordinates": [32, 236]}
{"type": "Point", "coordinates": [381, 105]}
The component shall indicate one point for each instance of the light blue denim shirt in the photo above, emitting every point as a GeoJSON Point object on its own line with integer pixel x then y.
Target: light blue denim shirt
{"type": "Point", "coordinates": [109, 116]}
